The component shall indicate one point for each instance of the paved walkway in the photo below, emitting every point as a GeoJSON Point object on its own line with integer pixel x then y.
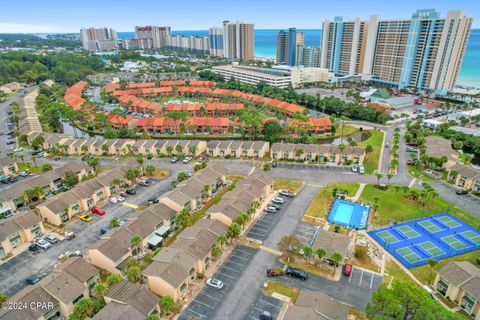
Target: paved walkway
{"type": "Point", "coordinates": [359, 192]}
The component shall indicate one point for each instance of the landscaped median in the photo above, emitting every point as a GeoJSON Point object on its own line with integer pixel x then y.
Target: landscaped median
{"type": "Point", "coordinates": [372, 158]}
{"type": "Point", "coordinates": [290, 185]}
{"type": "Point", "coordinates": [279, 288]}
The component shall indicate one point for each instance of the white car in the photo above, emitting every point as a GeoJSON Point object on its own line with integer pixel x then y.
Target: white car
{"type": "Point", "coordinates": [23, 173]}
{"type": "Point", "coordinates": [18, 149]}
{"type": "Point", "coordinates": [51, 239]}
{"type": "Point", "coordinates": [187, 159]}
{"type": "Point", "coordinates": [354, 169]}
{"type": "Point", "coordinates": [270, 208]}
{"type": "Point", "coordinates": [215, 283]}
{"type": "Point", "coordinates": [278, 200]}
{"type": "Point", "coordinates": [113, 200]}
{"type": "Point", "coordinates": [44, 244]}
{"type": "Point", "coordinates": [120, 199]}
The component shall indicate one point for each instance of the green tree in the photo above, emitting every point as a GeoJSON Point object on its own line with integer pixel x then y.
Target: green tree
{"type": "Point", "coordinates": [379, 176]}
{"type": "Point", "coordinates": [167, 303]}
{"type": "Point", "coordinates": [113, 279]}
{"type": "Point", "coordinates": [47, 167]}
{"type": "Point", "coordinates": [139, 158]}
{"type": "Point", "coordinates": [83, 309]}
{"type": "Point", "coordinates": [308, 252]}
{"type": "Point", "coordinates": [99, 290]}
{"type": "Point", "coordinates": [321, 252]}
{"type": "Point", "coordinates": [233, 231]}
{"type": "Point", "coordinates": [93, 162]}
{"type": "Point", "coordinates": [152, 317]}
{"type": "Point", "coordinates": [113, 223]}
{"type": "Point", "coordinates": [70, 180]}
{"type": "Point", "coordinates": [135, 244]}
{"type": "Point", "coordinates": [289, 245]}
{"type": "Point", "coordinates": [132, 174]}
{"type": "Point", "coordinates": [3, 297]}
{"type": "Point", "coordinates": [272, 131]}
{"type": "Point", "coordinates": [150, 169]}
{"type": "Point", "coordinates": [336, 258]}
{"type": "Point", "coordinates": [134, 274]}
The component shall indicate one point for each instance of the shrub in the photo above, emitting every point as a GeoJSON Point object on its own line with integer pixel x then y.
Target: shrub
{"type": "Point", "coordinates": [336, 229]}
{"type": "Point", "coordinates": [360, 252]}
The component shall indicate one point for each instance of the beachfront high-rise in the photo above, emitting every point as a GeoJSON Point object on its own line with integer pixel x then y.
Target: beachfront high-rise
{"type": "Point", "coordinates": [98, 39]}
{"type": "Point", "coordinates": [158, 35]}
{"type": "Point", "coordinates": [287, 42]}
{"type": "Point", "coordinates": [308, 56]}
{"type": "Point", "coordinates": [215, 41]}
{"type": "Point", "coordinates": [424, 52]}
{"type": "Point", "coordinates": [238, 40]}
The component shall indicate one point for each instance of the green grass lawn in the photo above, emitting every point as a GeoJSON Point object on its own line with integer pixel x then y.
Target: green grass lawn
{"type": "Point", "coordinates": [319, 205]}
{"type": "Point", "coordinates": [393, 206]}
{"type": "Point", "coordinates": [347, 130]}
{"type": "Point", "coordinates": [290, 185]}
{"type": "Point", "coordinates": [282, 289]}
{"type": "Point", "coordinates": [372, 159]}
{"type": "Point", "coordinates": [26, 166]}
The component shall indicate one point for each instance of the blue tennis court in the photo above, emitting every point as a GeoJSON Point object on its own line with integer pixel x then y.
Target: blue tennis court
{"type": "Point", "coordinates": [414, 242]}
{"type": "Point", "coordinates": [349, 214]}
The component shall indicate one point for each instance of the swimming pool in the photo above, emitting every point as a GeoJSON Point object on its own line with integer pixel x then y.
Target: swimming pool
{"type": "Point", "coordinates": [349, 214]}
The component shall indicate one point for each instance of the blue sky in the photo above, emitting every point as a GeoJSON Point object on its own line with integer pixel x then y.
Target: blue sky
{"type": "Point", "coordinates": [122, 15]}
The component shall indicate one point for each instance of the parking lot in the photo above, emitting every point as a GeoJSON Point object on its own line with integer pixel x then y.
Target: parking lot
{"type": "Point", "coordinates": [466, 202]}
{"type": "Point", "coordinates": [206, 303]}
{"type": "Point", "coordinates": [261, 229]}
{"type": "Point", "coordinates": [315, 167]}
{"type": "Point", "coordinates": [264, 303]}
{"type": "Point", "coordinates": [363, 279]}
{"type": "Point", "coordinates": [307, 232]}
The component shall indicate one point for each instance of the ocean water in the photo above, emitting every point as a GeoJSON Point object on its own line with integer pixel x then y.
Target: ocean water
{"type": "Point", "coordinates": [266, 42]}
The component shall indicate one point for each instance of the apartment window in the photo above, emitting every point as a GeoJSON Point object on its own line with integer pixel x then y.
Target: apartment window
{"type": "Point", "coordinates": [15, 239]}
{"type": "Point", "coordinates": [77, 298]}
{"type": "Point", "coordinates": [222, 153]}
{"type": "Point", "coordinates": [210, 152]}
{"type": "Point", "coordinates": [234, 154]}
{"type": "Point", "coordinates": [274, 155]}
{"type": "Point", "coordinates": [36, 231]}
{"type": "Point", "coordinates": [183, 289]}
{"type": "Point", "coordinates": [2, 253]}
{"type": "Point", "coordinates": [75, 208]}
{"type": "Point", "coordinates": [256, 154]}
{"type": "Point", "coordinates": [245, 153]}
{"type": "Point", "coordinates": [191, 273]}
{"type": "Point", "coordinates": [285, 155]}
{"type": "Point", "coordinates": [442, 286]}
{"type": "Point", "coordinates": [467, 303]}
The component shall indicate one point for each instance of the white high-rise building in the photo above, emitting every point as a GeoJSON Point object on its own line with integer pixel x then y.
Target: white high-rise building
{"type": "Point", "coordinates": [424, 52]}
{"type": "Point", "coordinates": [159, 35]}
{"type": "Point", "coordinates": [98, 39]}
{"type": "Point", "coordinates": [238, 40]}
{"type": "Point", "coordinates": [216, 41]}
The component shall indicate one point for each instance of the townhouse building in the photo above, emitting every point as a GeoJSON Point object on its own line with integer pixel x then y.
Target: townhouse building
{"type": "Point", "coordinates": [459, 282]}
{"type": "Point", "coordinates": [237, 149]}
{"type": "Point", "coordinates": [17, 230]}
{"type": "Point", "coordinates": [56, 294]}
{"type": "Point", "coordinates": [317, 153]}
{"type": "Point", "coordinates": [8, 166]}
{"type": "Point", "coordinates": [175, 268]}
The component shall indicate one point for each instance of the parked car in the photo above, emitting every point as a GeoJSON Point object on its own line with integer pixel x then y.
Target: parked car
{"type": "Point", "coordinates": [131, 192]}
{"type": "Point", "coordinates": [174, 159]}
{"type": "Point", "coordinates": [12, 179]}
{"type": "Point", "coordinates": [51, 238]}
{"type": "Point", "coordinates": [461, 192]}
{"type": "Point", "coordinates": [18, 149]}
{"type": "Point", "coordinates": [86, 217]}
{"type": "Point", "coordinates": [410, 162]}
{"type": "Point", "coordinates": [104, 230]}
{"type": "Point", "coordinates": [361, 169]}
{"type": "Point", "coordinates": [113, 200]}
{"type": "Point", "coordinates": [265, 315]}
{"type": "Point", "coordinates": [274, 164]}
{"type": "Point", "coordinates": [33, 247]}
{"type": "Point", "coordinates": [272, 272]}
{"type": "Point", "coordinates": [274, 205]}
{"type": "Point", "coordinates": [354, 169]}
{"type": "Point", "coordinates": [297, 273]}
{"type": "Point", "coordinates": [270, 210]}
{"type": "Point", "coordinates": [287, 193]}
{"type": "Point", "coordinates": [69, 235]}
{"type": "Point", "coordinates": [120, 199]}
{"type": "Point", "coordinates": [278, 200]}
{"type": "Point", "coordinates": [347, 269]}
{"type": "Point", "coordinates": [215, 283]}
{"type": "Point", "coordinates": [44, 244]}
{"type": "Point", "coordinates": [187, 160]}
{"type": "Point", "coordinates": [153, 200]}
{"type": "Point", "coordinates": [144, 183]}
{"type": "Point", "coordinates": [32, 280]}
{"type": "Point", "coordinates": [23, 173]}
{"type": "Point", "coordinates": [123, 195]}
{"type": "Point", "coordinates": [98, 210]}
{"type": "Point", "coordinates": [40, 154]}
{"type": "Point", "coordinates": [10, 142]}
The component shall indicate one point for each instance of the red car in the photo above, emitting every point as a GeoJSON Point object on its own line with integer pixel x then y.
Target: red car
{"type": "Point", "coordinates": [98, 211]}
{"type": "Point", "coordinates": [347, 269]}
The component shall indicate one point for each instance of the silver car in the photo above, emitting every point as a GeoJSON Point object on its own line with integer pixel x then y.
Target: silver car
{"type": "Point", "coordinates": [215, 283]}
{"type": "Point", "coordinates": [44, 244]}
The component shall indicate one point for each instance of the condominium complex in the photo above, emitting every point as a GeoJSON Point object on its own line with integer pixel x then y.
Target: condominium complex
{"type": "Point", "coordinates": [215, 39]}
{"type": "Point", "coordinates": [277, 77]}
{"type": "Point", "coordinates": [424, 52]}
{"type": "Point", "coordinates": [238, 40]}
{"type": "Point", "coordinates": [287, 42]}
{"type": "Point", "coordinates": [134, 44]}
{"type": "Point", "coordinates": [158, 35]}
{"type": "Point", "coordinates": [98, 39]}
{"type": "Point", "coordinates": [308, 56]}
{"type": "Point", "coordinates": [188, 43]}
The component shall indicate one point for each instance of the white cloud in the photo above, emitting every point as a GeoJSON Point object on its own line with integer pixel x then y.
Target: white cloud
{"type": "Point", "coordinates": [6, 27]}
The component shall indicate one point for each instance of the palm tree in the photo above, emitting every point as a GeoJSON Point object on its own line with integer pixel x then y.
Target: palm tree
{"type": "Point", "coordinates": [379, 176]}
{"type": "Point", "coordinates": [94, 163]}
{"type": "Point", "coordinates": [150, 169]}
{"type": "Point", "coordinates": [84, 149]}
{"type": "Point", "coordinates": [169, 150]}
{"type": "Point", "coordinates": [222, 240]}
{"type": "Point", "coordinates": [233, 231]}
{"type": "Point", "coordinates": [99, 290]}
{"type": "Point", "coordinates": [167, 303]}
{"type": "Point", "coordinates": [113, 223]}
{"type": "Point", "coordinates": [321, 252]}
{"type": "Point", "coordinates": [116, 182]}
{"type": "Point", "coordinates": [432, 263]}
{"type": "Point", "coordinates": [206, 190]}
{"type": "Point", "coordinates": [135, 243]}
{"type": "Point", "coordinates": [336, 258]}
{"type": "Point", "coordinates": [134, 274]}
{"type": "Point", "coordinates": [34, 159]}
{"type": "Point", "coordinates": [178, 149]}
{"type": "Point", "coordinates": [308, 252]}
{"type": "Point", "coordinates": [105, 148]}
{"type": "Point", "coordinates": [193, 149]}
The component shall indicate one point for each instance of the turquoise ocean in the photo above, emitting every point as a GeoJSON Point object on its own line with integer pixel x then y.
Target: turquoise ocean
{"type": "Point", "coordinates": [265, 46]}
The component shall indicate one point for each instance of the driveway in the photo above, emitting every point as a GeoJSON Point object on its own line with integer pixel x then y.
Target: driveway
{"type": "Point", "coordinates": [465, 202]}
{"type": "Point", "coordinates": [14, 271]}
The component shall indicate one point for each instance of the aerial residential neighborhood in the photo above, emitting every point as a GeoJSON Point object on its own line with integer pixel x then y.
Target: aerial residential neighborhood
{"type": "Point", "coordinates": [166, 164]}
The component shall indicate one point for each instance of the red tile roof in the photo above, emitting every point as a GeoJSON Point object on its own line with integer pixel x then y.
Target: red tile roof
{"type": "Point", "coordinates": [141, 85]}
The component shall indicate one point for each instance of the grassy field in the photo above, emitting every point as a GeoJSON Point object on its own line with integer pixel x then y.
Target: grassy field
{"type": "Point", "coordinates": [290, 185]}
{"type": "Point", "coordinates": [393, 206]}
{"type": "Point", "coordinates": [422, 273]}
{"type": "Point", "coordinates": [347, 130]}
{"type": "Point", "coordinates": [319, 206]}
{"type": "Point", "coordinates": [280, 288]}
{"type": "Point", "coordinates": [372, 159]}
{"type": "Point", "coordinates": [395, 273]}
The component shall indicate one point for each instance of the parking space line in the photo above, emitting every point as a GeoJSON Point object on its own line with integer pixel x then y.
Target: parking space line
{"type": "Point", "coordinates": [371, 282]}
{"type": "Point", "coordinates": [216, 299]}
{"type": "Point", "coordinates": [203, 304]}
{"type": "Point", "coordinates": [197, 313]}
{"type": "Point", "coordinates": [256, 233]}
{"type": "Point", "coordinates": [262, 226]}
{"type": "Point", "coordinates": [225, 275]}
{"type": "Point", "coordinates": [238, 264]}
{"type": "Point", "coordinates": [224, 266]}
{"type": "Point", "coordinates": [275, 306]}
{"type": "Point", "coordinates": [240, 249]}
{"type": "Point", "coordinates": [241, 258]}
{"type": "Point", "coordinates": [361, 277]}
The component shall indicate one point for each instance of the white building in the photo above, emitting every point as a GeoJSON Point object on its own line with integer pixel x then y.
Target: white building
{"type": "Point", "coordinates": [188, 43]}
{"type": "Point", "coordinates": [98, 39]}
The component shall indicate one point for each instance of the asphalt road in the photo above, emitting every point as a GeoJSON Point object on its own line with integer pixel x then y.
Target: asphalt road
{"type": "Point", "coordinates": [466, 202]}
{"type": "Point", "coordinates": [14, 271]}
{"type": "Point", "coordinates": [4, 109]}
